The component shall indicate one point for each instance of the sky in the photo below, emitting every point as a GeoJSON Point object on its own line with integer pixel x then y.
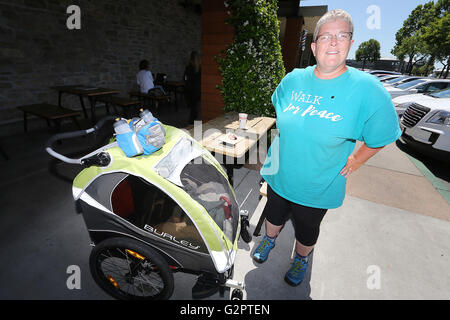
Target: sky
{"type": "Point", "coordinates": [373, 19]}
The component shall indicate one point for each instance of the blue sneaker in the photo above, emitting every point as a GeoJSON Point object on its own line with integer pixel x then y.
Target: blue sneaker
{"type": "Point", "coordinates": [297, 272]}
{"type": "Point", "coordinates": [262, 251]}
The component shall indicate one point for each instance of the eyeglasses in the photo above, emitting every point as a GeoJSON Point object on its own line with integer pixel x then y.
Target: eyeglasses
{"type": "Point", "coordinates": [341, 37]}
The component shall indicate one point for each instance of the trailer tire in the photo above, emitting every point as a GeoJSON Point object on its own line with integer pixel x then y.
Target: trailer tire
{"type": "Point", "coordinates": [128, 269]}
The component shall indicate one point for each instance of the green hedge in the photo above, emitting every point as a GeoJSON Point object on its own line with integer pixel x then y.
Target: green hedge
{"type": "Point", "coordinates": [252, 66]}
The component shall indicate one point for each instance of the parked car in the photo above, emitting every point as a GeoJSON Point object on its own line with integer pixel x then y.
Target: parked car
{"type": "Point", "coordinates": [402, 79]}
{"type": "Point", "coordinates": [403, 102]}
{"type": "Point", "coordinates": [381, 75]}
{"type": "Point", "coordinates": [418, 86]}
{"type": "Point", "coordinates": [388, 77]}
{"type": "Point", "coordinates": [425, 124]}
{"type": "Point", "coordinates": [409, 79]}
{"type": "Point", "coordinates": [384, 72]}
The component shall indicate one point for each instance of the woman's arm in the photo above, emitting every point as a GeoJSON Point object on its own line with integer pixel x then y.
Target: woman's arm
{"type": "Point", "coordinates": [357, 159]}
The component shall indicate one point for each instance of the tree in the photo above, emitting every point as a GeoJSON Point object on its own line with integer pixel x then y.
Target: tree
{"type": "Point", "coordinates": [252, 66]}
{"type": "Point", "coordinates": [419, 70]}
{"type": "Point", "coordinates": [436, 37]}
{"type": "Point", "coordinates": [409, 43]}
{"type": "Point", "coordinates": [425, 35]}
{"type": "Point", "coordinates": [411, 47]}
{"type": "Point", "coordinates": [368, 51]}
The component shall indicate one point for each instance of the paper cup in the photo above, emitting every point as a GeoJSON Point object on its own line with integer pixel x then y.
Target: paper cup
{"type": "Point", "coordinates": [242, 120]}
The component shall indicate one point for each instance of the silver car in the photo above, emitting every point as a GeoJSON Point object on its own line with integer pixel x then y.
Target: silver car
{"type": "Point", "coordinates": [388, 77]}
{"type": "Point", "coordinates": [425, 123]}
{"type": "Point", "coordinates": [401, 103]}
{"type": "Point", "coordinates": [418, 86]}
{"type": "Point", "coordinates": [399, 80]}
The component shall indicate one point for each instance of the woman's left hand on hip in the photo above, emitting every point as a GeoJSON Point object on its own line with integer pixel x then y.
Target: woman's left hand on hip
{"type": "Point", "coordinates": [351, 166]}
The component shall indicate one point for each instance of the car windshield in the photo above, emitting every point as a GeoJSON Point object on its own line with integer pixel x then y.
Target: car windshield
{"type": "Point", "coordinates": [410, 84]}
{"type": "Point", "coordinates": [440, 94]}
{"type": "Point", "coordinates": [406, 80]}
{"type": "Point", "coordinates": [385, 79]}
{"type": "Point", "coordinates": [396, 79]}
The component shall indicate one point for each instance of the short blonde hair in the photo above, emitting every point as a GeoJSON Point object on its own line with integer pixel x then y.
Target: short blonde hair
{"type": "Point", "coordinates": [333, 15]}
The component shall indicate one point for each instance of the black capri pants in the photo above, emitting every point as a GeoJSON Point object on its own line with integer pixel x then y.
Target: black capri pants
{"type": "Point", "coordinates": [306, 219]}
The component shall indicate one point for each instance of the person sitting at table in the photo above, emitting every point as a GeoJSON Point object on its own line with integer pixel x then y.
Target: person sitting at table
{"type": "Point", "coordinates": [145, 78]}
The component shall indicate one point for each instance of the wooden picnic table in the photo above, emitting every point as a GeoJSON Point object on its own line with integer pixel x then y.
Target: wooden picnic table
{"type": "Point", "coordinates": [82, 91]}
{"type": "Point", "coordinates": [215, 132]}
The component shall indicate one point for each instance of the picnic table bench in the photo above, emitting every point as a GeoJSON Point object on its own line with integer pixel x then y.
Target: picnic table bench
{"type": "Point", "coordinates": [48, 112]}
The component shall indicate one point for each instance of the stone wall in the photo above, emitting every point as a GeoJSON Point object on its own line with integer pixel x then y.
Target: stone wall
{"type": "Point", "coordinates": [38, 51]}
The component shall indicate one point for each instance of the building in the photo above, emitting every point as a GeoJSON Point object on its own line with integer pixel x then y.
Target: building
{"type": "Point", "coordinates": [295, 21]}
{"type": "Point", "coordinates": [311, 15]}
{"type": "Point", "coordinates": [385, 63]}
{"type": "Point", "coordinates": [39, 51]}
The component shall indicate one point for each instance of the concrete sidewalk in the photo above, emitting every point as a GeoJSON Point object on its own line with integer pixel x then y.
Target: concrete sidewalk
{"type": "Point", "coordinates": [366, 251]}
{"type": "Point", "coordinates": [391, 178]}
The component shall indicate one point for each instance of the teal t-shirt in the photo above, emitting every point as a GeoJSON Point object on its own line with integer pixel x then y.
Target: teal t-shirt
{"type": "Point", "coordinates": [319, 122]}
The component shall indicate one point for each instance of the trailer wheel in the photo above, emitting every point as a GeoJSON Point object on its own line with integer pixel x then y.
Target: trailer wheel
{"type": "Point", "coordinates": [127, 269]}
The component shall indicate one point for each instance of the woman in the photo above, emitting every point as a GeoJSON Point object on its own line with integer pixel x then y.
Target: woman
{"type": "Point", "coordinates": [192, 76]}
{"type": "Point", "coordinates": [144, 77]}
{"type": "Point", "coordinates": [321, 112]}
